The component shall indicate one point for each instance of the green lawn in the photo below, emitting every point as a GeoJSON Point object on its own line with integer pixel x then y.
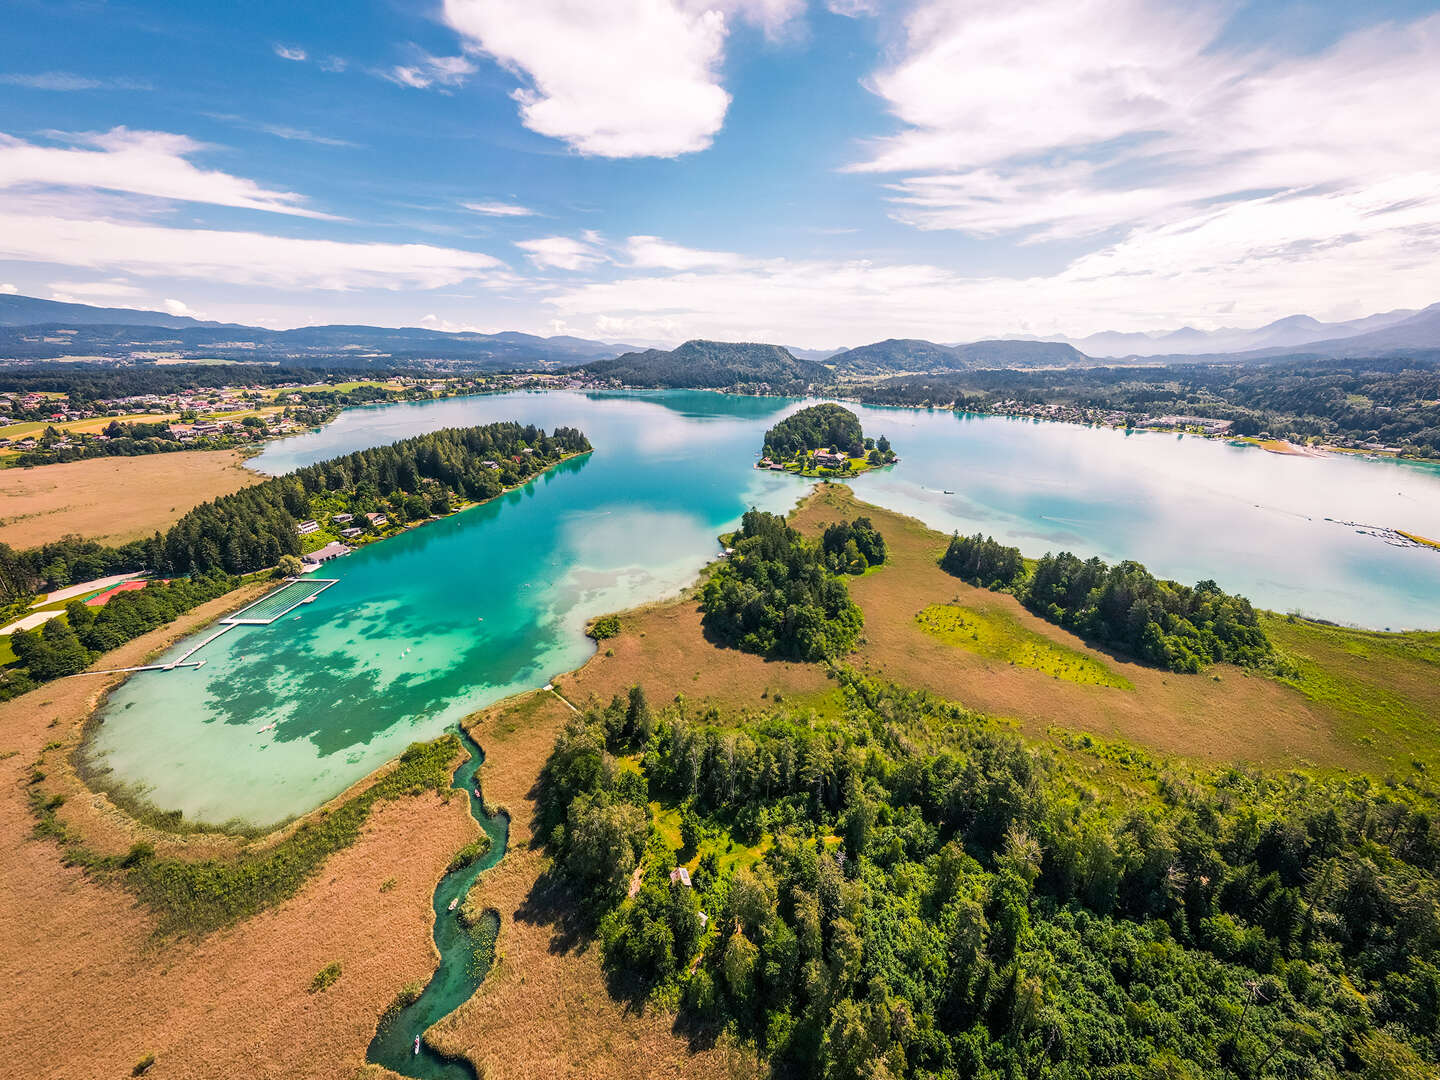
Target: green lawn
{"type": "Point", "coordinates": [1383, 690]}
{"type": "Point", "coordinates": [997, 635]}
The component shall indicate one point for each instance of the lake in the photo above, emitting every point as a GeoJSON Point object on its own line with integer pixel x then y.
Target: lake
{"type": "Point", "coordinates": [442, 620]}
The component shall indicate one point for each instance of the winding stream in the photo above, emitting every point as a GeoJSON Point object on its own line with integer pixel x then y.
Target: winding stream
{"type": "Point", "coordinates": [464, 958]}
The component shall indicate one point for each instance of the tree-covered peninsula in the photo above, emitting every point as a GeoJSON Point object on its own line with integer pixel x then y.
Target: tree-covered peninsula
{"type": "Point", "coordinates": [823, 440]}
{"type": "Point", "coordinates": [778, 593]}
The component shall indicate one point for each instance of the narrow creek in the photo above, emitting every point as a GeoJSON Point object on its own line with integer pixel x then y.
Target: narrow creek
{"type": "Point", "coordinates": [465, 952]}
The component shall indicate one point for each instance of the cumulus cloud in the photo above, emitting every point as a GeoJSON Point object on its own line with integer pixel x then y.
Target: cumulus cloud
{"type": "Point", "coordinates": [179, 307]}
{"type": "Point", "coordinates": [628, 78]}
{"type": "Point", "coordinates": [7, 287]}
{"type": "Point", "coordinates": [564, 252]}
{"type": "Point", "coordinates": [152, 163]}
{"type": "Point", "coordinates": [653, 252]}
{"type": "Point", "coordinates": [498, 209]}
{"type": "Point", "coordinates": [1138, 115]}
{"type": "Point", "coordinates": [235, 257]}
{"type": "Point", "coordinates": [290, 52]}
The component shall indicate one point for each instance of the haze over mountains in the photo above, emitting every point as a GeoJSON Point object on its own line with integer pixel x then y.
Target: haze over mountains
{"type": "Point", "coordinates": [33, 329]}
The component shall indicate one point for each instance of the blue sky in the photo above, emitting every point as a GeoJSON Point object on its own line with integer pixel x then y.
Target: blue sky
{"type": "Point", "coordinates": [816, 173]}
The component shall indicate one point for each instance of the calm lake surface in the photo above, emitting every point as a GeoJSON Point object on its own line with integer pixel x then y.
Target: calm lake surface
{"type": "Point", "coordinates": [445, 619]}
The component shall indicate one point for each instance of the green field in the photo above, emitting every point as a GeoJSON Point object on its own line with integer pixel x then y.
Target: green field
{"type": "Point", "coordinates": [1382, 690]}
{"type": "Point", "coordinates": [996, 635]}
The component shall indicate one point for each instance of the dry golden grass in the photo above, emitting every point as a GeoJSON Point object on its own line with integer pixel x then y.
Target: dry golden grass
{"type": "Point", "coordinates": [113, 500]}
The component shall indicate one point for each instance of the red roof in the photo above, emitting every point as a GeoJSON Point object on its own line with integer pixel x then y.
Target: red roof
{"type": "Point", "coordinates": [105, 597]}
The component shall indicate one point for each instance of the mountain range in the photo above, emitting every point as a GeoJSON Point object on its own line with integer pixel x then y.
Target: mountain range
{"type": "Point", "coordinates": [32, 329]}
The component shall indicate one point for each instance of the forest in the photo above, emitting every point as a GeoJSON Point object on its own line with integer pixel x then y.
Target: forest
{"type": "Point", "coordinates": [778, 593]}
{"type": "Point", "coordinates": [911, 891]}
{"type": "Point", "coordinates": [714, 365]}
{"type": "Point", "coordinates": [1123, 606]}
{"type": "Point", "coordinates": [1394, 400]}
{"type": "Point", "coordinates": [818, 427]}
{"type": "Point", "coordinates": [409, 480]}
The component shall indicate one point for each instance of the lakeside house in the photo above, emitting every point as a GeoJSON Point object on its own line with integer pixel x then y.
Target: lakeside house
{"type": "Point", "coordinates": [350, 534]}
{"type": "Point", "coordinates": [305, 528]}
{"type": "Point", "coordinates": [325, 554]}
{"type": "Point", "coordinates": [1207, 424]}
{"type": "Point", "coordinates": [830, 459]}
{"type": "Point", "coordinates": [682, 875]}
{"type": "Point", "coordinates": [377, 520]}
{"type": "Point", "coordinates": [342, 519]}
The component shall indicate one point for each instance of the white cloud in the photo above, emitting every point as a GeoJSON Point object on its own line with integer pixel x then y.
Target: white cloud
{"type": "Point", "coordinates": [149, 163]}
{"type": "Point", "coordinates": [236, 258]}
{"type": "Point", "coordinates": [564, 252]}
{"type": "Point", "coordinates": [498, 209]}
{"type": "Point", "coordinates": [1137, 115]}
{"type": "Point", "coordinates": [853, 9]}
{"type": "Point", "coordinates": [653, 252]}
{"type": "Point", "coordinates": [98, 289]}
{"type": "Point", "coordinates": [289, 52]}
{"type": "Point", "coordinates": [7, 287]}
{"type": "Point", "coordinates": [334, 64]}
{"type": "Point", "coordinates": [179, 307]}
{"type": "Point", "coordinates": [627, 78]}
{"type": "Point", "coordinates": [428, 71]}
{"type": "Point", "coordinates": [69, 81]}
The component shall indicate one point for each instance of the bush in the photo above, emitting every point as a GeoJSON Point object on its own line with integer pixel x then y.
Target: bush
{"type": "Point", "coordinates": [325, 977]}
{"type": "Point", "coordinates": [606, 626]}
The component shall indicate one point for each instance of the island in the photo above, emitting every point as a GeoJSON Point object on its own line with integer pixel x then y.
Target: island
{"type": "Point", "coordinates": [823, 441]}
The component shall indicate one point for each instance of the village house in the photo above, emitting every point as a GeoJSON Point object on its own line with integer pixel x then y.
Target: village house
{"type": "Point", "coordinates": [341, 519]}
{"type": "Point", "coordinates": [325, 554]}
{"type": "Point", "coordinates": [305, 528]}
{"type": "Point", "coordinates": [377, 520]}
{"type": "Point", "coordinates": [350, 534]}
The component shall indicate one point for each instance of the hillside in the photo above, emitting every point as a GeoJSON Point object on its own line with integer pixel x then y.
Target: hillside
{"type": "Point", "coordinates": [1012, 353]}
{"type": "Point", "coordinates": [713, 365]}
{"type": "Point", "coordinates": [32, 311]}
{"type": "Point", "coordinates": [895, 355]}
{"type": "Point", "coordinates": [37, 330]}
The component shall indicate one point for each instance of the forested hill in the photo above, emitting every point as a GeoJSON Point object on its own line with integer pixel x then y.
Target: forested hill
{"type": "Point", "coordinates": [913, 355]}
{"type": "Point", "coordinates": [714, 365]}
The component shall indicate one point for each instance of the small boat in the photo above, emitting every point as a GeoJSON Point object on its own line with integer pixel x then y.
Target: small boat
{"type": "Point", "coordinates": [417, 1044]}
{"type": "Point", "coordinates": [949, 493]}
{"type": "Point", "coordinates": [454, 903]}
{"type": "Point", "coordinates": [477, 792]}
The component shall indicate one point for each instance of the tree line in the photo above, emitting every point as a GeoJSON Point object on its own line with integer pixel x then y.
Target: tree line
{"type": "Point", "coordinates": [1123, 606]}
{"type": "Point", "coordinates": [777, 594]}
{"type": "Point", "coordinates": [818, 427]}
{"type": "Point", "coordinates": [911, 891]}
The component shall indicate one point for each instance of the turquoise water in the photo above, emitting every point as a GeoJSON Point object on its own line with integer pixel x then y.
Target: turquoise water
{"type": "Point", "coordinates": [462, 966]}
{"type": "Point", "coordinates": [442, 620]}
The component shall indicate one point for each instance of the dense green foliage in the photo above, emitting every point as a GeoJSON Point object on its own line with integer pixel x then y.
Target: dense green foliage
{"type": "Point", "coordinates": [412, 479]}
{"type": "Point", "coordinates": [935, 899]}
{"type": "Point", "coordinates": [1394, 401]}
{"type": "Point", "coordinates": [68, 645]}
{"type": "Point", "coordinates": [1122, 606]}
{"type": "Point", "coordinates": [197, 897]}
{"type": "Point", "coordinates": [68, 561]}
{"type": "Point", "coordinates": [714, 365]}
{"type": "Point", "coordinates": [982, 561]}
{"type": "Point", "coordinates": [776, 595]}
{"type": "Point", "coordinates": [852, 547]}
{"type": "Point", "coordinates": [818, 427]}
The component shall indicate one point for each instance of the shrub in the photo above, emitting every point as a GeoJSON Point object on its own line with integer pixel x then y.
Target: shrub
{"type": "Point", "coordinates": [325, 977]}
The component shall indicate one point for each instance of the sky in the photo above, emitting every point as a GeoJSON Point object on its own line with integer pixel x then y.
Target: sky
{"type": "Point", "coordinates": [818, 173]}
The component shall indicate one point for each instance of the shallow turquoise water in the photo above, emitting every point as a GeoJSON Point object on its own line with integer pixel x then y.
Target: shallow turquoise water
{"type": "Point", "coordinates": [431, 625]}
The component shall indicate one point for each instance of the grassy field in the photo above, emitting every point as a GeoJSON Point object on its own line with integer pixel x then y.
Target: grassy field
{"type": "Point", "coordinates": [999, 636]}
{"type": "Point", "coordinates": [91, 425]}
{"type": "Point", "coordinates": [116, 499]}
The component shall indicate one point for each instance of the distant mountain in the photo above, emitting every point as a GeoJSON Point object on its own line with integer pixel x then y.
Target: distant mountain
{"type": "Point", "coordinates": [895, 355]}
{"type": "Point", "coordinates": [712, 365]}
{"type": "Point", "coordinates": [1290, 333]}
{"type": "Point", "coordinates": [34, 329]}
{"type": "Point", "coordinates": [1420, 331]}
{"type": "Point", "coordinates": [913, 356]}
{"type": "Point", "coordinates": [32, 311]}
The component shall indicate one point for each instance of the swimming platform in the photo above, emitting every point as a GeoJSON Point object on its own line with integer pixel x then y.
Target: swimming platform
{"type": "Point", "coordinates": [270, 607]}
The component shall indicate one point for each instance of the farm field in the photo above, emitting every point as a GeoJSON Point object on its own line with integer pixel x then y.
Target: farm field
{"type": "Point", "coordinates": [116, 499]}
